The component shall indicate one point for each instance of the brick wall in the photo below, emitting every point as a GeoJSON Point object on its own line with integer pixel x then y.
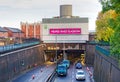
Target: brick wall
{"type": "Point", "coordinates": [3, 34]}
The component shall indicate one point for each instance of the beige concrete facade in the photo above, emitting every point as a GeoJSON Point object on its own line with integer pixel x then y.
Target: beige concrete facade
{"type": "Point", "coordinates": [65, 38]}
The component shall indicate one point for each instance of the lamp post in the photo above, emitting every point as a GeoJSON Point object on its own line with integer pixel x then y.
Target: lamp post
{"type": "Point", "coordinates": [63, 50]}
{"type": "Point", "coordinates": [19, 36]}
{"type": "Point", "coordinates": [56, 48]}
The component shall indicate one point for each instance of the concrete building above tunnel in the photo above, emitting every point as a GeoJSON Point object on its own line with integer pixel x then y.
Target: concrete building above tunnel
{"type": "Point", "coordinates": [65, 34]}
{"type": "Point", "coordinates": [65, 28]}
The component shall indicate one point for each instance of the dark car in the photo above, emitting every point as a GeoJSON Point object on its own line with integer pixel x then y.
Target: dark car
{"type": "Point", "coordinates": [66, 63]}
{"type": "Point", "coordinates": [78, 66]}
{"type": "Point", "coordinates": [61, 70]}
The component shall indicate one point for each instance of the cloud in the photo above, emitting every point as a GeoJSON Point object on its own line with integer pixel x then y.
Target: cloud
{"type": "Point", "coordinates": [45, 3]}
{"type": "Point", "coordinates": [26, 4]}
{"type": "Point", "coordinates": [35, 10]}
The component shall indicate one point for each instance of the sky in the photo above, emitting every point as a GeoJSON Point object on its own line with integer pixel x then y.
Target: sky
{"type": "Point", "coordinates": [12, 12]}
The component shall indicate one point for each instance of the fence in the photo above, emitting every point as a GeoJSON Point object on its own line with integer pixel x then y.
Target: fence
{"type": "Point", "coordinates": [99, 43]}
{"type": "Point", "coordinates": [11, 47]}
{"type": "Point", "coordinates": [102, 50]}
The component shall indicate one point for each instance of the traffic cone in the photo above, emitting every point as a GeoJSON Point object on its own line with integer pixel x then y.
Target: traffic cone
{"type": "Point", "coordinates": [90, 73]}
{"type": "Point", "coordinates": [33, 76]}
{"type": "Point", "coordinates": [41, 70]}
{"type": "Point", "coordinates": [88, 69]}
{"type": "Point", "coordinates": [47, 66]}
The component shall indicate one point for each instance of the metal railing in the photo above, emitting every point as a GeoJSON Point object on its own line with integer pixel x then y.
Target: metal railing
{"type": "Point", "coordinates": [106, 51]}
{"type": "Point", "coordinates": [53, 75]}
{"type": "Point", "coordinates": [11, 47]}
{"type": "Point", "coordinates": [102, 50]}
{"type": "Point", "coordinates": [99, 43]}
{"type": "Point", "coordinates": [51, 78]}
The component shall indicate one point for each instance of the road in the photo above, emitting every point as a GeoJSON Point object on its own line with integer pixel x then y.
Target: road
{"type": "Point", "coordinates": [38, 74]}
{"type": "Point", "coordinates": [71, 75]}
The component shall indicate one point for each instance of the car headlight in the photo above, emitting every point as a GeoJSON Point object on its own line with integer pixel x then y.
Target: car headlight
{"type": "Point", "coordinates": [77, 76]}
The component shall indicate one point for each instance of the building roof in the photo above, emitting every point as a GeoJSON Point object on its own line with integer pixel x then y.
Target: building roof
{"type": "Point", "coordinates": [16, 30]}
{"type": "Point", "coordinates": [65, 20]}
{"type": "Point", "coordinates": [2, 29]}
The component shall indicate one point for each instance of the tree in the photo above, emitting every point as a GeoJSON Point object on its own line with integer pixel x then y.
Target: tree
{"type": "Point", "coordinates": [106, 5]}
{"type": "Point", "coordinates": [115, 5]}
{"type": "Point", "coordinates": [115, 39]}
{"type": "Point", "coordinates": [103, 29]}
{"type": "Point", "coordinates": [114, 24]}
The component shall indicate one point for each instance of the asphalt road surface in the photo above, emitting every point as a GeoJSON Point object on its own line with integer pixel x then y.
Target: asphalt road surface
{"type": "Point", "coordinates": [71, 75]}
{"type": "Point", "coordinates": [39, 74]}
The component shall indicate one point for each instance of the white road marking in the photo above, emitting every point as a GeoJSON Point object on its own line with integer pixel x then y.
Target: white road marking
{"type": "Point", "coordinates": [73, 72]}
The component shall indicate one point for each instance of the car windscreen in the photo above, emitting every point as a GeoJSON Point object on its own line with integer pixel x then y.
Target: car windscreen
{"type": "Point", "coordinates": [78, 64]}
{"type": "Point", "coordinates": [65, 62]}
{"type": "Point", "coordinates": [80, 73]}
{"type": "Point", "coordinates": [61, 67]}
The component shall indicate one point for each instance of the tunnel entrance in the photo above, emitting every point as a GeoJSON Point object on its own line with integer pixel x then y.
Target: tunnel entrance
{"type": "Point", "coordinates": [57, 50]}
{"type": "Point", "coordinates": [71, 54]}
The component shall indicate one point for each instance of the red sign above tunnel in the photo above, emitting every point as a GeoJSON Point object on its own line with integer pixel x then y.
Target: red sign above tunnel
{"type": "Point", "coordinates": [65, 31]}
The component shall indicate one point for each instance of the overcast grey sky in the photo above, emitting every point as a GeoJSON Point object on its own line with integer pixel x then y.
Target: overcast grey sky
{"type": "Point", "coordinates": [12, 12]}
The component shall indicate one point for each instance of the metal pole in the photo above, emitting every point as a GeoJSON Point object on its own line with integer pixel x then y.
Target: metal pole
{"type": "Point", "coordinates": [20, 36]}
{"type": "Point", "coordinates": [56, 48]}
{"type": "Point", "coordinates": [64, 50]}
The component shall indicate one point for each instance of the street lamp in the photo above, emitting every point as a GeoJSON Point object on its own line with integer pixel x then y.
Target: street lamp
{"type": "Point", "coordinates": [56, 48]}
{"type": "Point", "coordinates": [64, 55]}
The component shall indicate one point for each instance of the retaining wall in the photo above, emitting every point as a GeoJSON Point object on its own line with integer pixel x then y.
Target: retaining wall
{"type": "Point", "coordinates": [14, 63]}
{"type": "Point", "coordinates": [105, 68]}
{"type": "Point", "coordinates": [90, 53]}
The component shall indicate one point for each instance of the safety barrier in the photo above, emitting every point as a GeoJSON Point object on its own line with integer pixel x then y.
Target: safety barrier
{"type": "Point", "coordinates": [11, 47]}
{"type": "Point", "coordinates": [51, 78]}
{"type": "Point", "coordinates": [99, 43]}
{"type": "Point", "coordinates": [103, 51]}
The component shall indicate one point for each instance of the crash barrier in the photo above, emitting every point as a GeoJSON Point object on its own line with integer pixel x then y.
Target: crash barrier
{"type": "Point", "coordinates": [51, 78]}
{"type": "Point", "coordinates": [11, 47]}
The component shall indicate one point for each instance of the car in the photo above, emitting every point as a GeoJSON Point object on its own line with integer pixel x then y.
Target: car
{"type": "Point", "coordinates": [66, 63]}
{"type": "Point", "coordinates": [78, 66]}
{"type": "Point", "coordinates": [61, 70]}
{"type": "Point", "coordinates": [80, 75]}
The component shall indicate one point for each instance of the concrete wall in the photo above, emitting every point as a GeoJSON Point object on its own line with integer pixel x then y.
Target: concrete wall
{"type": "Point", "coordinates": [105, 68]}
{"type": "Point", "coordinates": [90, 53]}
{"type": "Point", "coordinates": [14, 63]}
{"type": "Point", "coordinates": [65, 10]}
{"type": "Point", "coordinates": [64, 38]}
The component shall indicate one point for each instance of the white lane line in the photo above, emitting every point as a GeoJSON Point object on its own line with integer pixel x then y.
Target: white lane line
{"type": "Point", "coordinates": [73, 72]}
{"type": "Point", "coordinates": [72, 76]}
